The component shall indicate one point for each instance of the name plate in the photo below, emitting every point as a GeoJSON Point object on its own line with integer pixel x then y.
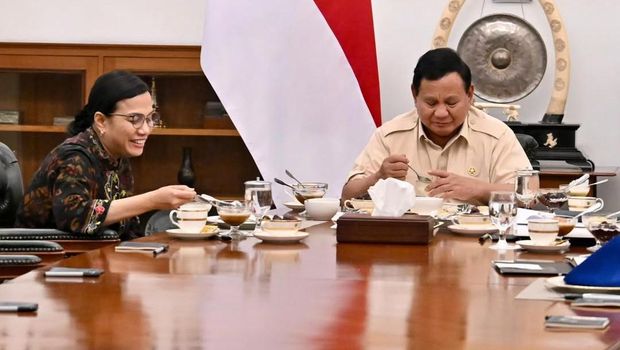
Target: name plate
{"type": "Point", "coordinates": [9, 117]}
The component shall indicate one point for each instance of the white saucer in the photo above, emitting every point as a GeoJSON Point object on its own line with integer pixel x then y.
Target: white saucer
{"type": "Point", "coordinates": [177, 233]}
{"type": "Point", "coordinates": [294, 206]}
{"type": "Point", "coordinates": [473, 230]}
{"type": "Point", "coordinates": [537, 248]}
{"type": "Point", "coordinates": [557, 283]}
{"type": "Point", "coordinates": [281, 237]}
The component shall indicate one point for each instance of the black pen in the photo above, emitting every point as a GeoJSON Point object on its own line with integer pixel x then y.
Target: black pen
{"type": "Point", "coordinates": [73, 272]}
{"type": "Point", "coordinates": [18, 307]}
{"type": "Point", "coordinates": [597, 296]}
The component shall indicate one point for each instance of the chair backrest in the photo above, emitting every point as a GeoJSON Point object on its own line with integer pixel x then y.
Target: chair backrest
{"type": "Point", "coordinates": [529, 144]}
{"type": "Point", "coordinates": [11, 186]}
{"type": "Point", "coordinates": [158, 222]}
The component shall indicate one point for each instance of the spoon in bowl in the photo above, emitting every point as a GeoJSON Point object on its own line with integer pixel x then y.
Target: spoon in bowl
{"type": "Point", "coordinates": [421, 178]}
{"type": "Point", "coordinates": [278, 181]}
{"type": "Point", "coordinates": [209, 199]}
{"type": "Point", "coordinates": [616, 213]}
{"type": "Point", "coordinates": [293, 177]}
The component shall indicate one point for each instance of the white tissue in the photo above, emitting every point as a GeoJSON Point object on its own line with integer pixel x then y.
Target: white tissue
{"type": "Point", "coordinates": [392, 197]}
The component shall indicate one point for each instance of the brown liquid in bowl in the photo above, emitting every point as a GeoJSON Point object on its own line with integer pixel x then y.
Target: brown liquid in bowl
{"type": "Point", "coordinates": [302, 197]}
{"type": "Point", "coordinates": [565, 228]}
{"type": "Point", "coordinates": [234, 219]}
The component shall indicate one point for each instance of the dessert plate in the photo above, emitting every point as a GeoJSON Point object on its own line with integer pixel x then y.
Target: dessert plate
{"type": "Point", "coordinates": [178, 233]}
{"type": "Point", "coordinates": [280, 236]}
{"type": "Point", "coordinates": [472, 230]}
{"type": "Point", "coordinates": [537, 248]}
{"type": "Point", "coordinates": [294, 206]}
{"type": "Point", "coordinates": [557, 283]}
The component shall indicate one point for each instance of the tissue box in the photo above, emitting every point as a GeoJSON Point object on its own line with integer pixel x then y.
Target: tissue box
{"type": "Point", "coordinates": [407, 229]}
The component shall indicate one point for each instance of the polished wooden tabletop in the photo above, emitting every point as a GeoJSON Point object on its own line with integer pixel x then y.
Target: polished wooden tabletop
{"type": "Point", "coordinates": [313, 295]}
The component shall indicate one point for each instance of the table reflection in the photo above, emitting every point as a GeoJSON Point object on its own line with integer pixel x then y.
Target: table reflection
{"type": "Point", "coordinates": [271, 256]}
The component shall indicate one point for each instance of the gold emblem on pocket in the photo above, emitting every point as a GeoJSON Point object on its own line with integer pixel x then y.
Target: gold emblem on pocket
{"type": "Point", "coordinates": [472, 171]}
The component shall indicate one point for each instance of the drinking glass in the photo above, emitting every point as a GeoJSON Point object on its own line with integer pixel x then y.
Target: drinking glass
{"type": "Point", "coordinates": [552, 198]}
{"type": "Point", "coordinates": [234, 213]}
{"type": "Point", "coordinates": [258, 193]}
{"type": "Point", "coordinates": [595, 223]}
{"type": "Point", "coordinates": [502, 210]}
{"type": "Point", "coordinates": [526, 188]}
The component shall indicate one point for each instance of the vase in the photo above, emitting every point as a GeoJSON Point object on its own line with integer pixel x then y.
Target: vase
{"type": "Point", "coordinates": [186, 175]}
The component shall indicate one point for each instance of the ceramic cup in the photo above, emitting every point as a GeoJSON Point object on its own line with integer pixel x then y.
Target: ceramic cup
{"type": "Point", "coordinates": [582, 203]}
{"type": "Point", "coordinates": [543, 231]}
{"type": "Point", "coordinates": [360, 204]}
{"type": "Point", "coordinates": [322, 208]}
{"type": "Point", "coordinates": [191, 217]}
{"type": "Point", "coordinates": [427, 205]}
{"type": "Point", "coordinates": [471, 219]}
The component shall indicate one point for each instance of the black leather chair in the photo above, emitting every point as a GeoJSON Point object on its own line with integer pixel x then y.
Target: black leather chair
{"type": "Point", "coordinates": [11, 193]}
{"type": "Point", "coordinates": [12, 266]}
{"type": "Point", "coordinates": [158, 222]}
{"type": "Point", "coordinates": [529, 145]}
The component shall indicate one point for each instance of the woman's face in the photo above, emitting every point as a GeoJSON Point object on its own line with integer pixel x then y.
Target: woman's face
{"type": "Point", "coordinates": [118, 135]}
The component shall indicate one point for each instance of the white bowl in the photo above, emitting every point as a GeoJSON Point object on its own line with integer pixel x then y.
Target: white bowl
{"type": "Point", "coordinates": [322, 208]}
{"type": "Point", "coordinates": [427, 205]}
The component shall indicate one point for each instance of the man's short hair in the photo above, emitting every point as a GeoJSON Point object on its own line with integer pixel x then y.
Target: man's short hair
{"type": "Point", "coordinates": [437, 63]}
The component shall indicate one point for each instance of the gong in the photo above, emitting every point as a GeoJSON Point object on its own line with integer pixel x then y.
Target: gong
{"type": "Point", "coordinates": [506, 55]}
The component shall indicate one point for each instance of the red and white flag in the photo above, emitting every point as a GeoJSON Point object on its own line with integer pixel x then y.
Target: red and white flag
{"type": "Point", "coordinates": [299, 80]}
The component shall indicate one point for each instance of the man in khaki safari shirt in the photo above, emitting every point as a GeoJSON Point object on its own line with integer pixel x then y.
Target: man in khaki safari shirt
{"type": "Point", "coordinates": [465, 152]}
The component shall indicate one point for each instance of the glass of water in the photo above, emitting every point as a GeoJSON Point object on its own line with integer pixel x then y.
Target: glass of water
{"type": "Point", "coordinates": [527, 185]}
{"type": "Point", "coordinates": [258, 193]}
{"type": "Point", "coordinates": [502, 210]}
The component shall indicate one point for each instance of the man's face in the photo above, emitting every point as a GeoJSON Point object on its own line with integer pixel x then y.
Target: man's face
{"type": "Point", "coordinates": [442, 106]}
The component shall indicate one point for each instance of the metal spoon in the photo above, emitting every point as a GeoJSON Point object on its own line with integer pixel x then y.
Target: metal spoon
{"type": "Point", "coordinates": [278, 181]}
{"type": "Point", "coordinates": [599, 182]}
{"type": "Point", "coordinates": [421, 178]}
{"type": "Point", "coordinates": [293, 177]}
{"type": "Point", "coordinates": [209, 199]}
{"type": "Point", "coordinates": [594, 208]}
{"type": "Point", "coordinates": [616, 213]}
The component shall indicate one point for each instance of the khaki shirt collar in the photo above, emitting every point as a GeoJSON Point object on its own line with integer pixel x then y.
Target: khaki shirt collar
{"type": "Point", "coordinates": [472, 124]}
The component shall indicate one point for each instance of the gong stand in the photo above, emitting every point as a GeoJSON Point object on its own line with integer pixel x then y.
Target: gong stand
{"type": "Point", "coordinates": [507, 57]}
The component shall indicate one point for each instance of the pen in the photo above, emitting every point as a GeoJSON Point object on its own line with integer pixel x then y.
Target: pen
{"type": "Point", "coordinates": [13, 308]}
{"type": "Point", "coordinates": [598, 296]}
{"type": "Point", "coordinates": [158, 250]}
{"type": "Point", "coordinates": [18, 307]}
{"type": "Point", "coordinates": [52, 273]}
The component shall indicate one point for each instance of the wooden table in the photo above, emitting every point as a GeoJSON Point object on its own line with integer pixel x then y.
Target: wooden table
{"type": "Point", "coordinates": [312, 295]}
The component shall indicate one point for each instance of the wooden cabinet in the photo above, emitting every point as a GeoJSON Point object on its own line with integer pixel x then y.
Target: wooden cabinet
{"type": "Point", "coordinates": [47, 81]}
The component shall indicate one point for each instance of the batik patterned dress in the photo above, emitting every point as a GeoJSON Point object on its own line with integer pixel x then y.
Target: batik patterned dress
{"type": "Point", "coordinates": [74, 186]}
